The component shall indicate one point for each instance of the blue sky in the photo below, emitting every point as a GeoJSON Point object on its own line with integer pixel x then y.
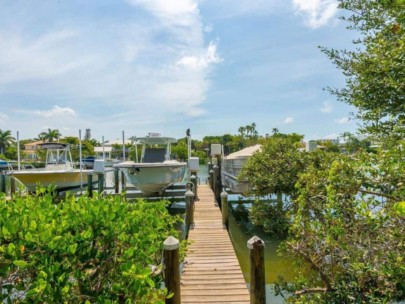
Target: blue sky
{"type": "Point", "coordinates": [164, 66]}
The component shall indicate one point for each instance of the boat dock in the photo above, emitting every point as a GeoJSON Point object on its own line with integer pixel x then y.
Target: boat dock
{"type": "Point", "coordinates": [211, 273]}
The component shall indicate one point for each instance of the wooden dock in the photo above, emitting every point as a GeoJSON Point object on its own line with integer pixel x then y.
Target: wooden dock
{"type": "Point", "coordinates": [211, 273]}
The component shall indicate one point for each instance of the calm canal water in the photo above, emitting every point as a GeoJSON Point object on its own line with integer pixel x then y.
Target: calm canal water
{"type": "Point", "coordinates": [241, 230]}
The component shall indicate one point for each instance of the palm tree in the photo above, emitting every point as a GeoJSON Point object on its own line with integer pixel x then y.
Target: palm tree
{"type": "Point", "coordinates": [242, 130]}
{"type": "Point", "coordinates": [50, 136]}
{"type": "Point", "coordinates": [5, 140]}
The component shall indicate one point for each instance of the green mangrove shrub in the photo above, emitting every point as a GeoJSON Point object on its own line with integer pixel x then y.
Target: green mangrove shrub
{"type": "Point", "coordinates": [82, 250]}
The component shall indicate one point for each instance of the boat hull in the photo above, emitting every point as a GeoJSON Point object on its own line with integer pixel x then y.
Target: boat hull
{"type": "Point", "coordinates": [152, 178]}
{"type": "Point", "coordinates": [234, 185]}
{"type": "Point", "coordinates": [62, 180]}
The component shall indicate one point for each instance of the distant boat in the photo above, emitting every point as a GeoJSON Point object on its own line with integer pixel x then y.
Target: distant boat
{"type": "Point", "coordinates": [4, 165]}
{"type": "Point", "coordinates": [232, 166]}
{"type": "Point", "coordinates": [156, 171]}
{"type": "Point", "coordinates": [88, 162]}
{"type": "Point", "coordinates": [58, 171]}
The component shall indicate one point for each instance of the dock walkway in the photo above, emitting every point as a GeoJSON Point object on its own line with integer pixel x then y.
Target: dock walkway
{"type": "Point", "coordinates": [212, 273]}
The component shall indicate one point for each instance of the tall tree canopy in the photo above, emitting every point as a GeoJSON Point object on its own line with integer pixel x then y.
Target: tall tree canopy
{"type": "Point", "coordinates": [5, 140]}
{"type": "Point", "coordinates": [50, 135]}
{"type": "Point", "coordinates": [375, 70]}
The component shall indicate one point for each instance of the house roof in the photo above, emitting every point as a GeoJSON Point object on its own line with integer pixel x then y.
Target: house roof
{"type": "Point", "coordinates": [117, 142]}
{"type": "Point", "coordinates": [247, 152]}
{"type": "Point", "coordinates": [100, 149]}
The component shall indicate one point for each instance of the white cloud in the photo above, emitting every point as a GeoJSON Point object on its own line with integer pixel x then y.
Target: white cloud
{"type": "Point", "coordinates": [343, 121]}
{"type": "Point", "coordinates": [55, 111]}
{"type": "Point", "coordinates": [327, 107]}
{"type": "Point", "coordinates": [158, 64]}
{"type": "Point", "coordinates": [289, 120]}
{"type": "Point", "coordinates": [180, 12]}
{"type": "Point", "coordinates": [202, 61]}
{"type": "Point", "coordinates": [331, 136]}
{"type": "Point", "coordinates": [317, 13]}
{"type": "Point", "coordinates": [41, 58]}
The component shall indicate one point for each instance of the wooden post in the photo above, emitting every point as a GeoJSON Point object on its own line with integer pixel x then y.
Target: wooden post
{"type": "Point", "coordinates": [171, 269]}
{"type": "Point", "coordinates": [189, 211]}
{"type": "Point", "coordinates": [224, 204]}
{"type": "Point", "coordinates": [100, 183]}
{"type": "Point", "coordinates": [193, 179]}
{"type": "Point", "coordinates": [2, 183]}
{"type": "Point", "coordinates": [257, 271]}
{"type": "Point", "coordinates": [215, 179]}
{"type": "Point", "coordinates": [209, 166]}
{"type": "Point", "coordinates": [90, 184]}
{"type": "Point", "coordinates": [217, 185]}
{"type": "Point", "coordinates": [116, 181]}
{"type": "Point", "coordinates": [211, 179]}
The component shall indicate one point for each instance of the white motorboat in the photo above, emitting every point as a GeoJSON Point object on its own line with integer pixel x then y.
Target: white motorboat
{"type": "Point", "coordinates": [59, 170]}
{"type": "Point", "coordinates": [232, 166]}
{"type": "Point", "coordinates": [155, 171]}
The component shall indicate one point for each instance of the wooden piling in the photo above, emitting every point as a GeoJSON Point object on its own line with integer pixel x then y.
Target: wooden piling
{"type": "Point", "coordinates": [100, 183]}
{"type": "Point", "coordinates": [211, 179]}
{"type": "Point", "coordinates": [90, 184]}
{"type": "Point", "coordinates": [257, 271]}
{"type": "Point", "coordinates": [193, 179]}
{"type": "Point", "coordinates": [116, 181]}
{"type": "Point", "coordinates": [217, 185]}
{"type": "Point", "coordinates": [215, 181]}
{"type": "Point", "coordinates": [171, 269]}
{"type": "Point", "coordinates": [2, 183]}
{"type": "Point", "coordinates": [189, 210]}
{"type": "Point", "coordinates": [224, 210]}
{"type": "Point", "coordinates": [210, 165]}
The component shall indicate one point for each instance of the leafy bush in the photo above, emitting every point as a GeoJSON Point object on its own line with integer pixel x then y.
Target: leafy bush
{"type": "Point", "coordinates": [93, 250]}
{"type": "Point", "coordinates": [349, 228]}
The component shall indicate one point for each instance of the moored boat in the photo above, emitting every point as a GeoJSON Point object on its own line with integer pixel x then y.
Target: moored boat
{"type": "Point", "coordinates": [232, 166]}
{"type": "Point", "coordinates": [59, 171]}
{"type": "Point", "coordinates": [155, 171]}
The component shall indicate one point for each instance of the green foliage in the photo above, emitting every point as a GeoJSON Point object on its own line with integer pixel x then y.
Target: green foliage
{"type": "Point", "coordinates": [6, 140]}
{"type": "Point", "coordinates": [202, 155]}
{"type": "Point", "coordinates": [275, 168]}
{"type": "Point", "coordinates": [353, 143]}
{"type": "Point", "coordinates": [80, 250]}
{"type": "Point", "coordinates": [11, 152]}
{"type": "Point", "coordinates": [50, 135]}
{"type": "Point", "coordinates": [271, 216]}
{"type": "Point", "coordinates": [347, 227]}
{"type": "Point", "coordinates": [375, 74]}
{"type": "Point", "coordinates": [180, 150]}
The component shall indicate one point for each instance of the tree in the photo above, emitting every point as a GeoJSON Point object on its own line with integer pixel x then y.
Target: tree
{"type": "Point", "coordinates": [180, 150]}
{"type": "Point", "coordinates": [375, 71]}
{"type": "Point", "coordinates": [5, 140]}
{"type": "Point", "coordinates": [273, 170]}
{"type": "Point", "coordinates": [352, 143]}
{"type": "Point", "coordinates": [347, 228]}
{"type": "Point", "coordinates": [50, 135]}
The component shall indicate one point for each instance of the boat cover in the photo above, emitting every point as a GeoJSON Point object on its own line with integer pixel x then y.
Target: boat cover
{"type": "Point", "coordinates": [247, 152]}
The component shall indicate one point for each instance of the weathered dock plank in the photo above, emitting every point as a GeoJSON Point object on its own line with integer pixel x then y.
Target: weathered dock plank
{"type": "Point", "coordinates": [211, 271]}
